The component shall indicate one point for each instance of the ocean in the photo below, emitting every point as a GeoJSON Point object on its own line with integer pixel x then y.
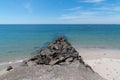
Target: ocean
{"type": "Point", "coordinates": [20, 41]}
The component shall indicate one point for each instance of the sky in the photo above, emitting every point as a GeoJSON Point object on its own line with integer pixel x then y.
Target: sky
{"type": "Point", "coordinates": [59, 11]}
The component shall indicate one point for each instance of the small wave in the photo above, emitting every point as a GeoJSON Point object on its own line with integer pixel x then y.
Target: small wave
{"type": "Point", "coordinates": [10, 62]}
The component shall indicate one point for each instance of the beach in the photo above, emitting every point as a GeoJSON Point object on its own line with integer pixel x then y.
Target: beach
{"type": "Point", "coordinates": [106, 62]}
{"type": "Point", "coordinates": [59, 60]}
{"type": "Point", "coordinates": [59, 39]}
{"type": "Point", "coordinates": [97, 44]}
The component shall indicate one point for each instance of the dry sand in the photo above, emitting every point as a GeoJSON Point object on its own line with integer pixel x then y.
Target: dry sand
{"type": "Point", "coordinates": [74, 71]}
{"type": "Point", "coordinates": [106, 62]}
{"type": "Point", "coordinates": [4, 65]}
{"type": "Point", "coordinates": [3, 72]}
{"type": "Point", "coordinates": [107, 68]}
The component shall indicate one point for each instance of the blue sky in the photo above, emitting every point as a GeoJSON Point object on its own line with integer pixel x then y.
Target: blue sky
{"type": "Point", "coordinates": [60, 11]}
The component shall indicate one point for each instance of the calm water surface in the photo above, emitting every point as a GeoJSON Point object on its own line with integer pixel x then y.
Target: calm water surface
{"type": "Point", "coordinates": [20, 41]}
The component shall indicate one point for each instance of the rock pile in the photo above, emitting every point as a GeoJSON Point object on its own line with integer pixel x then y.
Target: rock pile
{"type": "Point", "coordinates": [57, 52]}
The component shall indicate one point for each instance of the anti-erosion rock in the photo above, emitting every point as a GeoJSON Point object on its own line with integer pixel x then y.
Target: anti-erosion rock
{"type": "Point", "coordinates": [57, 61]}
{"type": "Point", "coordinates": [59, 52]}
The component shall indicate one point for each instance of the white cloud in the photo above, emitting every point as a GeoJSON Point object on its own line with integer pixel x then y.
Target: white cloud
{"type": "Point", "coordinates": [112, 8]}
{"type": "Point", "coordinates": [92, 1]}
{"type": "Point", "coordinates": [91, 20]}
{"type": "Point", "coordinates": [79, 15]}
{"type": "Point", "coordinates": [95, 11]}
{"type": "Point", "coordinates": [95, 14]}
{"type": "Point", "coordinates": [74, 8]}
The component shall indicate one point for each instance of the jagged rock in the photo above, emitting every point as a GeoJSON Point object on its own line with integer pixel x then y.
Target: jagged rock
{"type": "Point", "coordinates": [57, 52]}
{"type": "Point", "coordinates": [53, 62]}
{"type": "Point", "coordinates": [69, 60]}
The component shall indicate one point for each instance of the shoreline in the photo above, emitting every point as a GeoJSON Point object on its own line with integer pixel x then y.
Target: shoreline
{"type": "Point", "coordinates": [105, 62]}
{"type": "Point", "coordinates": [14, 63]}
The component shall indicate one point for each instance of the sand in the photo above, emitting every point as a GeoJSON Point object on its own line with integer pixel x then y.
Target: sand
{"type": "Point", "coordinates": [97, 53]}
{"type": "Point", "coordinates": [107, 68]}
{"type": "Point", "coordinates": [3, 72]}
{"type": "Point", "coordinates": [73, 71]}
{"type": "Point", "coordinates": [4, 65]}
{"type": "Point", "coordinates": [106, 62]}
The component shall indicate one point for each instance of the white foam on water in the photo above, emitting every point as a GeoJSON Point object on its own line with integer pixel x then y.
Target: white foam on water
{"type": "Point", "coordinates": [10, 62]}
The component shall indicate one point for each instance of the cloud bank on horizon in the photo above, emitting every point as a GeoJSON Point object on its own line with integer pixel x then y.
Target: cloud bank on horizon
{"type": "Point", "coordinates": [60, 11]}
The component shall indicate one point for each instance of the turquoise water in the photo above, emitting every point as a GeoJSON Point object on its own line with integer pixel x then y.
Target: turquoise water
{"type": "Point", "coordinates": [20, 41]}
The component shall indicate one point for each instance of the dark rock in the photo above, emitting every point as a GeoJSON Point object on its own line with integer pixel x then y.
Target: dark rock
{"type": "Point", "coordinates": [33, 58]}
{"type": "Point", "coordinates": [9, 68]}
{"type": "Point", "coordinates": [89, 67]}
{"type": "Point", "coordinates": [57, 52]}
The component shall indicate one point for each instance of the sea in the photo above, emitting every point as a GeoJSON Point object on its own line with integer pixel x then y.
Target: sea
{"type": "Point", "coordinates": [19, 41]}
